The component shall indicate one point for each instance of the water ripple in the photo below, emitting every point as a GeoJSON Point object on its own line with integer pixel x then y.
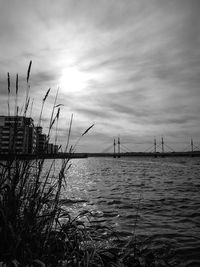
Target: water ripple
{"type": "Point", "coordinates": [159, 196]}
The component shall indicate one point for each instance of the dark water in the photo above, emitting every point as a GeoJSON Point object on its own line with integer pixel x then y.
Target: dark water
{"type": "Point", "coordinates": [157, 198]}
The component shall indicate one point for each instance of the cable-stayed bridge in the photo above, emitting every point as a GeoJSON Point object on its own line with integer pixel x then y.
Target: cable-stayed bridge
{"type": "Point", "coordinates": [156, 149]}
{"type": "Point", "coordinates": [118, 149]}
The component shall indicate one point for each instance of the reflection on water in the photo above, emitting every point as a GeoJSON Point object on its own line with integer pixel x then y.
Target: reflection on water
{"type": "Point", "coordinates": [166, 191]}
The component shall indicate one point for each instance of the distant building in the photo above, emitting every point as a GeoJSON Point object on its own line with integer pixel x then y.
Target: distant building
{"type": "Point", "coordinates": [42, 142]}
{"type": "Point", "coordinates": [50, 148]}
{"type": "Point", "coordinates": [55, 149]}
{"type": "Point", "coordinates": [17, 135]}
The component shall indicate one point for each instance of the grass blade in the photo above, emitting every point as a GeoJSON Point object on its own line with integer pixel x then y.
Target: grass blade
{"type": "Point", "coordinates": [87, 130]}
{"type": "Point", "coordinates": [8, 78]}
{"type": "Point", "coordinates": [46, 95]}
{"type": "Point", "coordinates": [16, 94]}
{"type": "Point", "coordinates": [28, 72]}
{"type": "Point", "coordinates": [8, 83]}
{"type": "Point", "coordinates": [69, 133]}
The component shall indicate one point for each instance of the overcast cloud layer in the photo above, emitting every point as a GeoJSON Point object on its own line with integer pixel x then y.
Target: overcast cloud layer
{"type": "Point", "coordinates": [131, 67]}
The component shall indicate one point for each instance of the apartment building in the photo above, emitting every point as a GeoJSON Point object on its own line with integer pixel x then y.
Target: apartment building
{"type": "Point", "coordinates": [41, 142]}
{"type": "Point", "coordinates": [17, 135]}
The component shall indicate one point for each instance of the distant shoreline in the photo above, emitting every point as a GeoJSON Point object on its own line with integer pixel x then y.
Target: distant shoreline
{"type": "Point", "coordinates": [87, 155]}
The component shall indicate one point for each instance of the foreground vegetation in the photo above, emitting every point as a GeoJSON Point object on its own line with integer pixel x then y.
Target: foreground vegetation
{"type": "Point", "coordinates": [36, 229]}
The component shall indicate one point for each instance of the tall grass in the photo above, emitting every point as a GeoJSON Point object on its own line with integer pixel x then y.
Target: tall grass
{"type": "Point", "coordinates": [35, 229]}
{"type": "Point", "coordinates": [43, 101]}
{"type": "Point", "coordinates": [8, 80]}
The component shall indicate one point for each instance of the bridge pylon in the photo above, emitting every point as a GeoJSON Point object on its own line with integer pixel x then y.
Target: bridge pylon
{"type": "Point", "coordinates": [118, 154]}
{"type": "Point", "coordinates": [114, 150]}
{"type": "Point", "coordinates": [118, 143]}
{"type": "Point", "coordinates": [162, 144]}
{"type": "Point", "coordinates": [155, 146]}
{"type": "Point", "coordinates": [192, 145]}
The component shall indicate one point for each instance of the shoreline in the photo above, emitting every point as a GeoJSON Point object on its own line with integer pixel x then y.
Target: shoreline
{"type": "Point", "coordinates": [87, 155]}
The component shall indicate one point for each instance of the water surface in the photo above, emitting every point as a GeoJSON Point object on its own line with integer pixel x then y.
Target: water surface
{"type": "Point", "coordinates": [155, 198]}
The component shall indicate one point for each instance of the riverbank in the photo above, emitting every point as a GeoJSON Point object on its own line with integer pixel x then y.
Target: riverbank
{"type": "Point", "coordinates": [61, 155]}
{"type": "Point", "coordinates": [43, 156]}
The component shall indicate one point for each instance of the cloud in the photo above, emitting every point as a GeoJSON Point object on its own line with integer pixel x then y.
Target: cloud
{"type": "Point", "coordinates": [140, 60]}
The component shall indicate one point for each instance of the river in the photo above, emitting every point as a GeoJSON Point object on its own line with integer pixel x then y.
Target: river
{"type": "Point", "coordinates": [158, 199]}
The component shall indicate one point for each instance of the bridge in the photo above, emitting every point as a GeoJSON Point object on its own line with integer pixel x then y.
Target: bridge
{"type": "Point", "coordinates": [157, 149]}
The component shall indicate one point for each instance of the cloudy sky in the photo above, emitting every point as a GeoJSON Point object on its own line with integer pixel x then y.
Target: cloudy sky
{"type": "Point", "coordinates": [130, 67]}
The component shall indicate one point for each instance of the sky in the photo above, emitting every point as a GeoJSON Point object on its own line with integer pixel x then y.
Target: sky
{"type": "Point", "coordinates": [130, 67]}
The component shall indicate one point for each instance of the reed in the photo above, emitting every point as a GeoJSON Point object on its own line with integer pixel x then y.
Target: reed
{"type": "Point", "coordinates": [16, 96]}
{"type": "Point", "coordinates": [31, 107]}
{"type": "Point", "coordinates": [43, 101]}
{"type": "Point", "coordinates": [34, 228]}
{"type": "Point", "coordinates": [27, 99]}
{"type": "Point", "coordinates": [8, 79]}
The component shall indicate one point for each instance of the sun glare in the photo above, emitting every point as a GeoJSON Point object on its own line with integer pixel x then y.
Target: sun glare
{"type": "Point", "coordinates": [72, 80]}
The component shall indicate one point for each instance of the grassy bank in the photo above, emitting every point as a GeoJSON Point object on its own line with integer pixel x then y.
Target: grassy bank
{"type": "Point", "coordinates": [35, 230]}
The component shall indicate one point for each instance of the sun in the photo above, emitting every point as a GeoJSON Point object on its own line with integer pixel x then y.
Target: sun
{"type": "Point", "coordinates": [73, 80]}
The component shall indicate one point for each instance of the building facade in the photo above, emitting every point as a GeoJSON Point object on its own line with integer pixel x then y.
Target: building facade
{"type": "Point", "coordinates": [42, 142]}
{"type": "Point", "coordinates": [18, 135]}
